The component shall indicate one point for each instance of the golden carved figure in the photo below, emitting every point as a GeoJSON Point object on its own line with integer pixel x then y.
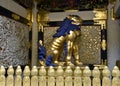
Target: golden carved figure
{"type": "Point", "coordinates": [67, 33]}
{"type": "Point", "coordinates": [104, 44]}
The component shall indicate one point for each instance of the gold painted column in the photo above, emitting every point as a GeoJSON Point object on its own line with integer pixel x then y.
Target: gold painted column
{"type": "Point", "coordinates": [34, 36]}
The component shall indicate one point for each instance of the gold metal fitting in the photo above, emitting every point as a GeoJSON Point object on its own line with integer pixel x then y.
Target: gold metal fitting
{"type": "Point", "coordinates": [75, 18]}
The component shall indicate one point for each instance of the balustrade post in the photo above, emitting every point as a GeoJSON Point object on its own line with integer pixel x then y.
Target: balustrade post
{"type": "Point", "coordinates": [59, 76]}
{"type": "Point", "coordinates": [86, 76]}
{"type": "Point", "coordinates": [68, 76]}
{"type": "Point", "coordinates": [34, 78]}
{"type": "Point", "coordinates": [10, 78]}
{"type": "Point", "coordinates": [96, 77]}
{"type": "Point", "coordinates": [51, 76]}
{"type": "Point", "coordinates": [2, 76]}
{"type": "Point", "coordinates": [77, 76]}
{"type": "Point", "coordinates": [26, 78]}
{"type": "Point", "coordinates": [106, 77]}
{"type": "Point", "coordinates": [42, 76]}
{"type": "Point", "coordinates": [18, 78]}
{"type": "Point", "coordinates": [116, 75]}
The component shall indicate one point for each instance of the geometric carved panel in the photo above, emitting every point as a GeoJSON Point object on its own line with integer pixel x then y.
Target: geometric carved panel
{"type": "Point", "coordinates": [89, 43]}
{"type": "Point", "coordinates": [14, 41]}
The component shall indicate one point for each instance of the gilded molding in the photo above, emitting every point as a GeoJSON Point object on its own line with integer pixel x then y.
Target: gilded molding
{"type": "Point", "coordinates": [101, 22]}
{"type": "Point", "coordinates": [113, 15]}
{"type": "Point", "coordinates": [100, 17]}
{"type": "Point", "coordinates": [100, 14]}
{"type": "Point", "coordinates": [29, 17]}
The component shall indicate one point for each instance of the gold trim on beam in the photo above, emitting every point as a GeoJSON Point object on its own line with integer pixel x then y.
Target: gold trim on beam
{"type": "Point", "coordinates": [40, 27]}
{"type": "Point", "coordinates": [30, 17]}
{"type": "Point", "coordinates": [101, 22]}
{"type": "Point", "coordinates": [100, 17]}
{"type": "Point", "coordinates": [15, 16]}
{"type": "Point", "coordinates": [100, 14]}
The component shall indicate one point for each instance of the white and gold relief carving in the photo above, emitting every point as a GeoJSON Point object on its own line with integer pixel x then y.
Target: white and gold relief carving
{"type": "Point", "coordinates": [14, 39]}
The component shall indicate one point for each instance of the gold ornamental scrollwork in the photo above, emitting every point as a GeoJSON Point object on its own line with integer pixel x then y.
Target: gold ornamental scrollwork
{"type": "Point", "coordinates": [100, 14]}
{"type": "Point", "coordinates": [42, 17]}
{"type": "Point", "coordinates": [100, 17]}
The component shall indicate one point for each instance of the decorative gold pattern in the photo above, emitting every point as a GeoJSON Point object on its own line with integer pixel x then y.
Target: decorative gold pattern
{"type": "Point", "coordinates": [15, 16]}
{"type": "Point", "coordinates": [42, 17]}
{"type": "Point", "coordinates": [100, 14]}
{"type": "Point", "coordinates": [100, 17]}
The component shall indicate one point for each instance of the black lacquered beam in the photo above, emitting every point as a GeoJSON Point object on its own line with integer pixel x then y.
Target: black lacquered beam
{"type": "Point", "coordinates": [7, 13]}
